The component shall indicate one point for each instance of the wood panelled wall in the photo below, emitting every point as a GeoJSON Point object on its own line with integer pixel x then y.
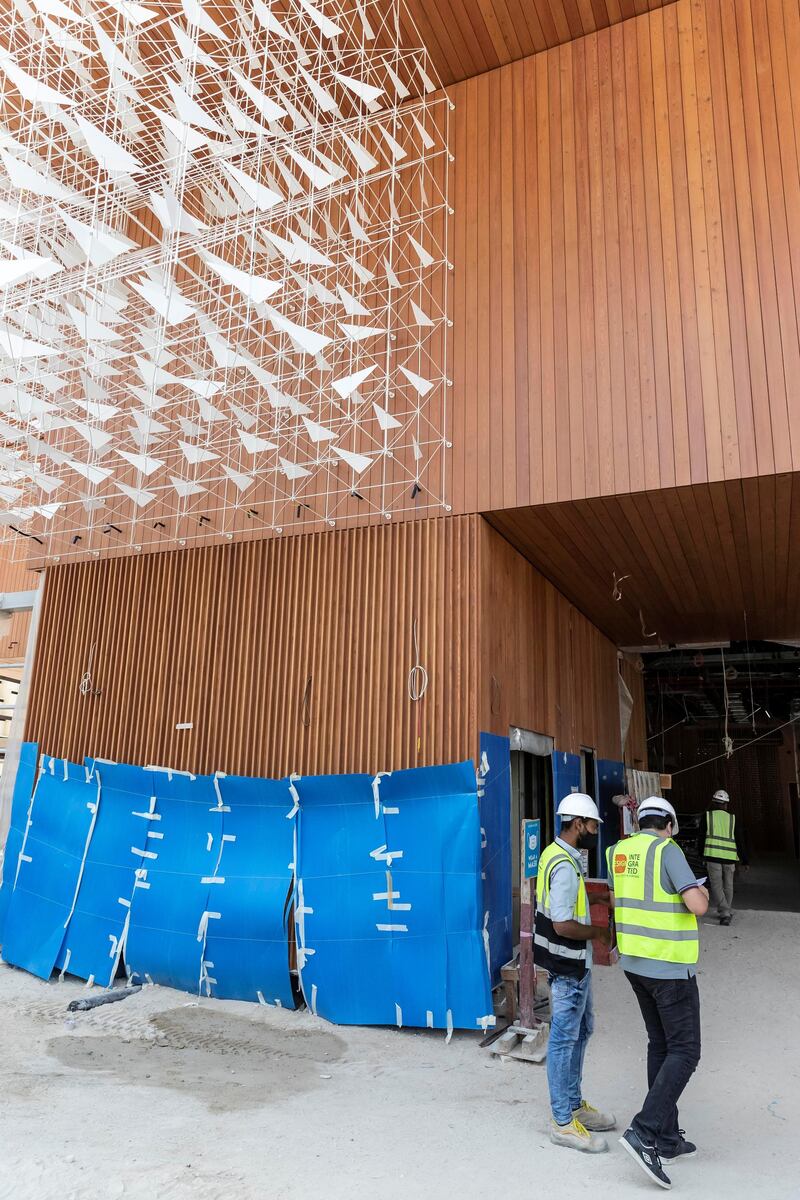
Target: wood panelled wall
{"type": "Point", "coordinates": [15, 577]}
{"type": "Point", "coordinates": [294, 654]}
{"type": "Point", "coordinates": [627, 259]}
{"type": "Point", "coordinates": [285, 655]}
{"type": "Point", "coordinates": [543, 665]}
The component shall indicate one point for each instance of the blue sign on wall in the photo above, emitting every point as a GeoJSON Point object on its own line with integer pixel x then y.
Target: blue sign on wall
{"type": "Point", "coordinates": [533, 848]}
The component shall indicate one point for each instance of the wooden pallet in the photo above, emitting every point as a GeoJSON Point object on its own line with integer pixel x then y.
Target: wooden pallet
{"type": "Point", "coordinates": [527, 1045]}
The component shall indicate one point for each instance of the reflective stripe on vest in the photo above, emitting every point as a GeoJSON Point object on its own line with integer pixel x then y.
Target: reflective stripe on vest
{"type": "Point", "coordinates": [721, 836]}
{"type": "Point", "coordinates": [651, 923]}
{"type": "Point", "coordinates": [553, 952]}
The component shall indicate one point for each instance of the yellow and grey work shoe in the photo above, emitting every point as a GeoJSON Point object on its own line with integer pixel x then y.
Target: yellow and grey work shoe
{"type": "Point", "coordinates": [577, 1137]}
{"type": "Point", "coordinates": [591, 1118]}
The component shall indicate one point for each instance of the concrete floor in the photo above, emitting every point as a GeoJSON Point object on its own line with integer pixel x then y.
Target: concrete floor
{"type": "Point", "coordinates": [160, 1097]}
{"type": "Point", "coordinates": [771, 884]}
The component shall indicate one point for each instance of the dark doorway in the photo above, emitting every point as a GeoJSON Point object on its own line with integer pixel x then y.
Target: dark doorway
{"type": "Point", "coordinates": [589, 788]}
{"type": "Point", "coordinates": [728, 716]}
{"type": "Point", "coordinates": [531, 798]}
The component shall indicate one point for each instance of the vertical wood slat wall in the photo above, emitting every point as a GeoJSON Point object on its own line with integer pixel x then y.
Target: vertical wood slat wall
{"type": "Point", "coordinates": [543, 665]}
{"type": "Point", "coordinates": [627, 259]}
{"type": "Point", "coordinates": [227, 638]}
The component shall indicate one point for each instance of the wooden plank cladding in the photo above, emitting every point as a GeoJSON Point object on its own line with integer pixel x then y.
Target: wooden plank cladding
{"type": "Point", "coordinates": [627, 260]}
{"type": "Point", "coordinates": [468, 37]}
{"type": "Point", "coordinates": [283, 655]}
{"type": "Point", "coordinates": [294, 654]}
{"type": "Point", "coordinates": [543, 665]}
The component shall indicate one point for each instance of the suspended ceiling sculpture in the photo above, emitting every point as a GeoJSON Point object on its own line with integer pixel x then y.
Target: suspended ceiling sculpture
{"type": "Point", "coordinates": [223, 271]}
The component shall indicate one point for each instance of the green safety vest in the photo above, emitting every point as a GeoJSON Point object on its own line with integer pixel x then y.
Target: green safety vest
{"type": "Point", "coordinates": [720, 836]}
{"type": "Point", "coordinates": [651, 923]}
{"type": "Point", "coordinates": [557, 954]}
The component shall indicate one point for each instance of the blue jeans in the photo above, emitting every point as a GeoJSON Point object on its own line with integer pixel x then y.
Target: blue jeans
{"type": "Point", "coordinates": [571, 1027]}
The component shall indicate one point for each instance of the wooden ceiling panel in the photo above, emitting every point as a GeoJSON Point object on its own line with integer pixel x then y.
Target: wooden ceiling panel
{"type": "Point", "coordinates": [701, 563]}
{"type": "Point", "coordinates": [467, 37]}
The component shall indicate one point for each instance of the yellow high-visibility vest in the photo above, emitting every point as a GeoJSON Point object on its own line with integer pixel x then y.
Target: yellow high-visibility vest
{"type": "Point", "coordinates": [651, 923]}
{"type": "Point", "coordinates": [550, 856]}
{"type": "Point", "coordinates": [554, 953]}
{"type": "Point", "coordinates": [720, 836]}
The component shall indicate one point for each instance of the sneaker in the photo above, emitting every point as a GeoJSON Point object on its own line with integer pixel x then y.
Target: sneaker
{"type": "Point", "coordinates": [724, 920]}
{"type": "Point", "coordinates": [646, 1157]}
{"type": "Point", "coordinates": [577, 1137]}
{"type": "Point", "coordinates": [592, 1118]}
{"type": "Point", "coordinates": [683, 1149]}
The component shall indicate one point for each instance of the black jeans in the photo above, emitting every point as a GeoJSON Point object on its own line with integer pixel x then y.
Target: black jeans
{"type": "Point", "coordinates": [671, 1011]}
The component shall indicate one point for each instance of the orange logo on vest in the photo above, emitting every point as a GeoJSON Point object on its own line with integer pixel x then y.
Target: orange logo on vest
{"type": "Point", "coordinates": [620, 862]}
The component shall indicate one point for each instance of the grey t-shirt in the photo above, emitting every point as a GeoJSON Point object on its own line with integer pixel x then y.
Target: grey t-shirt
{"type": "Point", "coordinates": [676, 876]}
{"type": "Point", "coordinates": [564, 893]}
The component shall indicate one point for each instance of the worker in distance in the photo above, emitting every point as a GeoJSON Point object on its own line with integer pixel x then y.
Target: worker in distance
{"type": "Point", "coordinates": [724, 847]}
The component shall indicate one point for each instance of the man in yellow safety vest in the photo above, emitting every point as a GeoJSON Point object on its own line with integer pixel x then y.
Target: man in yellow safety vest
{"type": "Point", "coordinates": [657, 901]}
{"type": "Point", "coordinates": [563, 939]}
{"type": "Point", "coordinates": [722, 850]}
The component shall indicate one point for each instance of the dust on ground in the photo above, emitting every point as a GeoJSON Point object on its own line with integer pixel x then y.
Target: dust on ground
{"type": "Point", "coordinates": [164, 1097]}
{"type": "Point", "coordinates": [226, 1061]}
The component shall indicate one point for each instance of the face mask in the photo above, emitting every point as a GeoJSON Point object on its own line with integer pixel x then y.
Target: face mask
{"type": "Point", "coordinates": [586, 840]}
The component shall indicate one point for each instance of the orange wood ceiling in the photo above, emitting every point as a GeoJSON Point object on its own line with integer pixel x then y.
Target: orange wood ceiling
{"type": "Point", "coordinates": [467, 37]}
{"type": "Point", "coordinates": [701, 563]}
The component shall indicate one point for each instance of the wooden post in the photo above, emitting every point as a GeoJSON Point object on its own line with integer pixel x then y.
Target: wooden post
{"type": "Point", "coordinates": [527, 973]}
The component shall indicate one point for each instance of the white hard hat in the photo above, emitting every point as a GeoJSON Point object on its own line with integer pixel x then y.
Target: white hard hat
{"type": "Point", "coordinates": [721, 797]}
{"type": "Point", "coordinates": [579, 805]}
{"type": "Point", "coordinates": [659, 807]}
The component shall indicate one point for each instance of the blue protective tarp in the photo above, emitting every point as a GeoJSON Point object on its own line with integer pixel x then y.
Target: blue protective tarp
{"type": "Point", "coordinates": [52, 855]}
{"type": "Point", "coordinates": [566, 779]}
{"type": "Point", "coordinates": [92, 940]}
{"type": "Point", "coordinates": [166, 938]}
{"type": "Point", "coordinates": [20, 804]}
{"type": "Point", "coordinates": [247, 943]}
{"type": "Point", "coordinates": [389, 908]}
{"type": "Point", "coordinates": [495, 810]}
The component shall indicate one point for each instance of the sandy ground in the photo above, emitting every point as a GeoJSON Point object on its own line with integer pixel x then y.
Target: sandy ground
{"type": "Point", "coordinates": [160, 1097]}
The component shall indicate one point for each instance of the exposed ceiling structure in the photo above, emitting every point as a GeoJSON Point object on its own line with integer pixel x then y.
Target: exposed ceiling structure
{"type": "Point", "coordinates": [223, 275]}
{"type": "Point", "coordinates": [468, 37]}
{"type": "Point", "coordinates": [703, 563]}
{"type": "Point", "coordinates": [755, 683]}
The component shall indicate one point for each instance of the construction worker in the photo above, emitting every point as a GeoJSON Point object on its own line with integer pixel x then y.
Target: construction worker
{"type": "Point", "coordinates": [722, 850]}
{"type": "Point", "coordinates": [563, 937]}
{"type": "Point", "coordinates": [657, 901]}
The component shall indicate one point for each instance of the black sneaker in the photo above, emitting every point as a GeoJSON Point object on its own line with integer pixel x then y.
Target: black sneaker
{"type": "Point", "coordinates": [683, 1149]}
{"type": "Point", "coordinates": [724, 920]}
{"type": "Point", "coordinates": [646, 1156]}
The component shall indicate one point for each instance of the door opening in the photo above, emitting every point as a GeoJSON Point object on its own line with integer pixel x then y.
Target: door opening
{"type": "Point", "coordinates": [589, 788]}
{"type": "Point", "coordinates": [531, 798]}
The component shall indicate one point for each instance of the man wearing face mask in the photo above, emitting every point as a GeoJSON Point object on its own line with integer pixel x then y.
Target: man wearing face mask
{"type": "Point", "coordinates": [562, 941]}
